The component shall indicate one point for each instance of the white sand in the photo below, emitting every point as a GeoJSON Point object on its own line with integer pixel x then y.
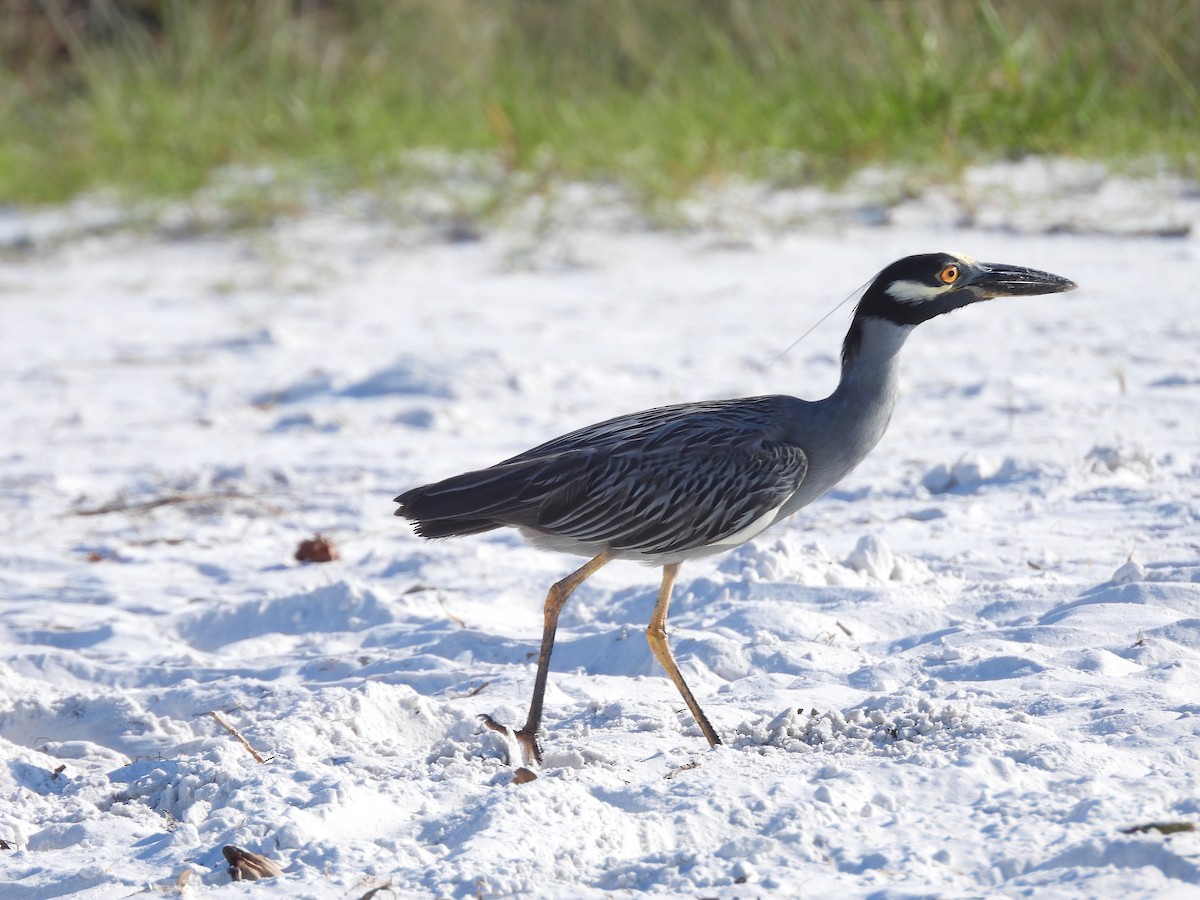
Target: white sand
{"type": "Point", "coordinates": [962, 673]}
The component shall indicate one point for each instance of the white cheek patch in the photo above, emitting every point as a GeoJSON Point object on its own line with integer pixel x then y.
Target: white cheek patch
{"type": "Point", "coordinates": [915, 291]}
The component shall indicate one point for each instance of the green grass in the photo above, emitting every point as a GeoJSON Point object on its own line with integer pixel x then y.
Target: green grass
{"type": "Point", "coordinates": [660, 94]}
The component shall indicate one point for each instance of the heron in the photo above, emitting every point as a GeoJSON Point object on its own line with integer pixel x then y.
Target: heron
{"type": "Point", "coordinates": [674, 483]}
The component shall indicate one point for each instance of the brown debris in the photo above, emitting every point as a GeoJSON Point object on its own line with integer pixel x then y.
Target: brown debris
{"type": "Point", "coordinates": [1160, 827]}
{"type": "Point", "coordinates": [247, 866]}
{"type": "Point", "coordinates": [318, 549]}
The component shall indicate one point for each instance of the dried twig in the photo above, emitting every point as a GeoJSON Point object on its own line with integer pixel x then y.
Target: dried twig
{"type": "Point", "coordinates": [478, 689]}
{"type": "Point", "coordinates": [119, 506]}
{"type": "Point", "coordinates": [685, 767]}
{"type": "Point", "coordinates": [451, 616]}
{"type": "Point", "coordinates": [245, 743]}
{"type": "Point", "coordinates": [155, 502]}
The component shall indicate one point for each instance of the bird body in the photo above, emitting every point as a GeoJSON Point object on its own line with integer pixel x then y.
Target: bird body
{"type": "Point", "coordinates": [674, 483]}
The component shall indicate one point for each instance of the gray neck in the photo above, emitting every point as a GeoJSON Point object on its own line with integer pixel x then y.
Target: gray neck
{"type": "Point", "coordinates": [866, 392]}
{"type": "Point", "coordinates": [862, 404]}
{"type": "Point", "coordinates": [838, 432]}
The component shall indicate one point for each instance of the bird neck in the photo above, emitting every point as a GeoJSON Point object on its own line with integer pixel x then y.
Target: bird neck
{"type": "Point", "coordinates": [838, 432]}
{"type": "Point", "coordinates": [872, 341]}
{"type": "Point", "coordinates": [866, 392]}
{"type": "Point", "coordinates": [871, 348]}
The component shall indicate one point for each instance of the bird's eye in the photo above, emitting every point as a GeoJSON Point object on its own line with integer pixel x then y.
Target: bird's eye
{"type": "Point", "coordinates": [948, 275]}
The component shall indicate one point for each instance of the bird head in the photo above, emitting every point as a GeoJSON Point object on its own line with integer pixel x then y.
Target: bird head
{"type": "Point", "coordinates": [917, 288]}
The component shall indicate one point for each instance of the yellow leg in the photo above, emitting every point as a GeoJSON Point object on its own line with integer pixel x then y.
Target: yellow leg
{"type": "Point", "coordinates": [555, 600]}
{"type": "Point", "coordinates": [656, 634]}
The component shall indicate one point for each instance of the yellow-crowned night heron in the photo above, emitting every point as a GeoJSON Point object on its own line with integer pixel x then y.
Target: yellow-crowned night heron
{"type": "Point", "coordinates": [678, 482]}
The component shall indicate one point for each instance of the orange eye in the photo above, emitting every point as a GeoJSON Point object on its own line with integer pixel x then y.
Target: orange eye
{"type": "Point", "coordinates": [948, 275]}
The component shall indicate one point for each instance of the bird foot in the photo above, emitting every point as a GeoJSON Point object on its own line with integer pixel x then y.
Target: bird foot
{"type": "Point", "coordinates": [526, 740]}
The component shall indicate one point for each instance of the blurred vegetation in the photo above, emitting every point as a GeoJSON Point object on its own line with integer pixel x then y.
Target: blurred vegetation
{"type": "Point", "coordinates": [151, 96]}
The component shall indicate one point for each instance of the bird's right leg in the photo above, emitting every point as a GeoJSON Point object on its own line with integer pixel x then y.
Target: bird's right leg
{"type": "Point", "coordinates": [555, 600]}
{"type": "Point", "coordinates": [656, 634]}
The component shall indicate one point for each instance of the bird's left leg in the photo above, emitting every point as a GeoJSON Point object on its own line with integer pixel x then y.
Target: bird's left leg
{"type": "Point", "coordinates": [656, 634]}
{"type": "Point", "coordinates": [555, 600]}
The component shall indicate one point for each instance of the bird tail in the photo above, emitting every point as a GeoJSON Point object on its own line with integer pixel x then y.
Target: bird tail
{"type": "Point", "coordinates": [444, 528]}
{"type": "Point", "coordinates": [437, 511]}
{"type": "Point", "coordinates": [475, 502]}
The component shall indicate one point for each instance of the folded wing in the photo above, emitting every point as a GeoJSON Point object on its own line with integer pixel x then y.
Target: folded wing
{"type": "Point", "coordinates": [662, 481]}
